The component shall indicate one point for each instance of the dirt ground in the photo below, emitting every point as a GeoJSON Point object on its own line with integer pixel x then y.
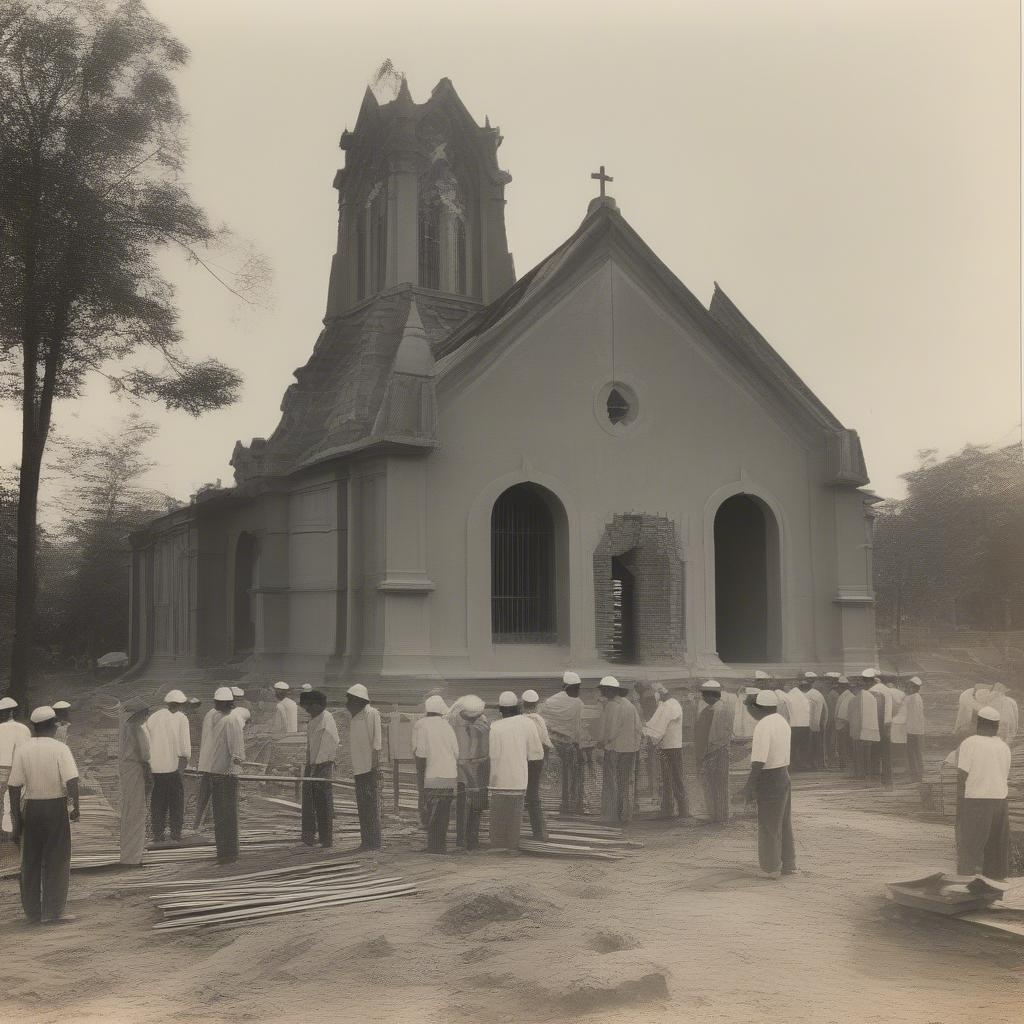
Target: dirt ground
{"type": "Point", "coordinates": [680, 930]}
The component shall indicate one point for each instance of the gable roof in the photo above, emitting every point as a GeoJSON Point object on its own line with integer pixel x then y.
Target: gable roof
{"type": "Point", "coordinates": [604, 230]}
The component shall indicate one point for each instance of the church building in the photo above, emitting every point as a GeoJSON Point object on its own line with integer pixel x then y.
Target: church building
{"type": "Point", "coordinates": [478, 478]}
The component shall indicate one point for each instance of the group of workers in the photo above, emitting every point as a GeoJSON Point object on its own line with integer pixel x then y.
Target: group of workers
{"type": "Point", "coordinates": [468, 763]}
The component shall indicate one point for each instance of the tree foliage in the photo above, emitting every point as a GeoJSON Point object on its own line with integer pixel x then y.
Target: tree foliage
{"type": "Point", "coordinates": [952, 551]}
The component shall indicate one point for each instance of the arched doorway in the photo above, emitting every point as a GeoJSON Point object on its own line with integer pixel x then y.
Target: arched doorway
{"type": "Point", "coordinates": [747, 604]}
{"type": "Point", "coordinates": [529, 566]}
{"type": "Point", "coordinates": [246, 551]}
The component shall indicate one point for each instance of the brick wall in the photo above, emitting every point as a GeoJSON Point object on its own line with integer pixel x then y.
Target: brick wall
{"type": "Point", "coordinates": [647, 547]}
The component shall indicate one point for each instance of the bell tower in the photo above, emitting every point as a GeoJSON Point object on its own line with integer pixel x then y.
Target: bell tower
{"type": "Point", "coordinates": [421, 201]}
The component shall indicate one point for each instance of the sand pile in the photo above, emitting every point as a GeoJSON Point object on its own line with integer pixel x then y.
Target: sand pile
{"type": "Point", "coordinates": [488, 904]}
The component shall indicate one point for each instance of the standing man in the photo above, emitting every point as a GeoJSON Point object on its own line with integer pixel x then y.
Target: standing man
{"type": "Point", "coordinates": [43, 776]}
{"type": "Point", "coordinates": [841, 724]}
{"type": "Point", "coordinates": [135, 780]}
{"type": "Point", "coordinates": [619, 732]}
{"type": "Point", "coordinates": [535, 769]}
{"type": "Point", "coordinates": [868, 718]}
{"type": "Point", "coordinates": [898, 729]}
{"type": "Point", "coordinates": [769, 786]}
{"type": "Point", "coordinates": [983, 821]}
{"type": "Point", "coordinates": [170, 746]}
{"type": "Point", "coordinates": [417, 726]}
{"type": "Point", "coordinates": [665, 731]}
{"type": "Point", "coordinates": [365, 742]}
{"type": "Point", "coordinates": [818, 723]}
{"type": "Point", "coordinates": [800, 723]}
{"type": "Point", "coordinates": [321, 751]}
{"type": "Point", "coordinates": [438, 747]}
{"type": "Point", "coordinates": [882, 760]}
{"type": "Point", "coordinates": [221, 753]}
{"type": "Point", "coordinates": [471, 728]}
{"type": "Point", "coordinates": [763, 681]}
{"type": "Point", "coordinates": [914, 707]}
{"type": "Point", "coordinates": [563, 715]}
{"type": "Point", "coordinates": [285, 718]}
{"type": "Point", "coordinates": [711, 738]}
{"type": "Point", "coordinates": [12, 735]}
{"type": "Point", "coordinates": [63, 711]}
{"type": "Point", "coordinates": [514, 742]}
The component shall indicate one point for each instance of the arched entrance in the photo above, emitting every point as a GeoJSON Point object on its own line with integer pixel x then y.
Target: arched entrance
{"type": "Point", "coordinates": [246, 551]}
{"type": "Point", "coordinates": [747, 604]}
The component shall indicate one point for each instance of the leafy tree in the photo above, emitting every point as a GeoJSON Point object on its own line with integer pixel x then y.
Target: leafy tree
{"type": "Point", "coordinates": [90, 159]}
{"type": "Point", "coordinates": [952, 551]}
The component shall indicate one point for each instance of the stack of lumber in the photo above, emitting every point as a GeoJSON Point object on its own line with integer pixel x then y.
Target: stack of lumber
{"type": "Point", "coordinates": [572, 837]}
{"type": "Point", "coordinates": [236, 899]}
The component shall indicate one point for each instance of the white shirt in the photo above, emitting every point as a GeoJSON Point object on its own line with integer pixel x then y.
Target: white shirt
{"type": "Point", "coordinates": [819, 709]}
{"type": "Point", "coordinates": [986, 759]}
{"type": "Point", "coordinates": [666, 725]}
{"type": "Point", "coordinates": [285, 720]}
{"type": "Point", "coordinates": [564, 715]}
{"type": "Point", "coordinates": [913, 707]}
{"type": "Point", "coordinates": [513, 742]}
{"type": "Point", "coordinates": [43, 766]}
{"type": "Point", "coordinates": [784, 709]}
{"type": "Point", "coordinates": [169, 739]}
{"type": "Point", "coordinates": [322, 739]}
{"type": "Point", "coordinates": [542, 729]}
{"type": "Point", "coordinates": [771, 742]}
{"type": "Point", "coordinates": [436, 741]}
{"type": "Point", "coordinates": [364, 738]}
{"type": "Point", "coordinates": [886, 701]}
{"type": "Point", "coordinates": [12, 735]}
{"type": "Point", "coordinates": [842, 715]}
{"type": "Point", "coordinates": [799, 709]}
{"type": "Point", "coordinates": [221, 743]}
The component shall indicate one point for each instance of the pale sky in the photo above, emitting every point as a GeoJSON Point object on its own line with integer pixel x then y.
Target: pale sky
{"type": "Point", "coordinates": [847, 170]}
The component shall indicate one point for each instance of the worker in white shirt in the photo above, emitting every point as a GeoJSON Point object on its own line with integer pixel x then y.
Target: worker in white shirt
{"type": "Point", "coordinates": [471, 729]}
{"type": "Point", "coordinates": [514, 742]}
{"type": "Point", "coordinates": [800, 724]}
{"type": "Point", "coordinates": [913, 708]}
{"type": "Point", "coordinates": [712, 735]}
{"type": "Point", "coordinates": [882, 762]}
{"type": "Point", "coordinates": [321, 752]}
{"type": "Point", "coordinates": [618, 735]}
{"type": "Point", "coordinates": [438, 747]}
{"type": "Point", "coordinates": [563, 715]}
{"type": "Point", "coordinates": [135, 781]}
{"type": "Point", "coordinates": [43, 776]}
{"type": "Point", "coordinates": [769, 786]}
{"type": "Point", "coordinates": [665, 731]}
{"type": "Point", "coordinates": [535, 769]}
{"type": "Point", "coordinates": [62, 709]}
{"type": "Point", "coordinates": [12, 735]}
{"type": "Point", "coordinates": [365, 743]}
{"type": "Point", "coordinates": [170, 748]}
{"type": "Point", "coordinates": [221, 754]}
{"type": "Point", "coordinates": [818, 721]}
{"type": "Point", "coordinates": [983, 821]}
{"type": "Point", "coordinates": [285, 718]}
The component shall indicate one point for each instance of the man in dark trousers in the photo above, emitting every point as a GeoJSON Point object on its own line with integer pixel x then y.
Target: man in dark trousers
{"type": "Point", "coordinates": [221, 752]}
{"type": "Point", "coordinates": [44, 774]}
{"type": "Point", "coordinates": [769, 786]}
{"type": "Point", "coordinates": [321, 751]}
{"type": "Point", "coordinates": [365, 741]}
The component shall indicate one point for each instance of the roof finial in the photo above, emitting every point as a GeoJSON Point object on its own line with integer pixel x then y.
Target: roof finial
{"type": "Point", "coordinates": [602, 178]}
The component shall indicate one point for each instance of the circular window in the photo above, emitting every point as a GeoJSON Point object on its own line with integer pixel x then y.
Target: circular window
{"type": "Point", "coordinates": [616, 407]}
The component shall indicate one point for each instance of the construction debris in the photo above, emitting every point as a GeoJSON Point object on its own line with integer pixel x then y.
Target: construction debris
{"type": "Point", "coordinates": [948, 895]}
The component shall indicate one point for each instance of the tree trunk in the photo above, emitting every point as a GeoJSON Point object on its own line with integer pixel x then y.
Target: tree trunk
{"type": "Point", "coordinates": [25, 587]}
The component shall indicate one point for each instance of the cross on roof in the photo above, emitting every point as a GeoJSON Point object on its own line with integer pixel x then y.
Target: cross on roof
{"type": "Point", "coordinates": [602, 177]}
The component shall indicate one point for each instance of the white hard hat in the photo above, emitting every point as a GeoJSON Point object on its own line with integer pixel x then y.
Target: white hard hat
{"type": "Point", "coordinates": [530, 696]}
{"type": "Point", "coordinates": [989, 714]}
{"type": "Point", "coordinates": [611, 682]}
{"type": "Point", "coordinates": [306, 687]}
{"type": "Point", "coordinates": [571, 679]}
{"type": "Point", "coordinates": [60, 705]}
{"type": "Point", "coordinates": [759, 674]}
{"type": "Point", "coordinates": [472, 706]}
{"type": "Point", "coordinates": [508, 700]}
{"type": "Point", "coordinates": [6, 703]}
{"type": "Point", "coordinates": [43, 714]}
{"type": "Point", "coordinates": [435, 705]}
{"type": "Point", "coordinates": [711, 684]}
{"type": "Point", "coordinates": [281, 686]}
{"type": "Point", "coordinates": [915, 681]}
{"type": "Point", "coordinates": [358, 690]}
{"type": "Point", "coordinates": [810, 675]}
{"type": "Point", "coordinates": [175, 697]}
{"type": "Point", "coordinates": [869, 673]}
{"type": "Point", "coordinates": [243, 713]}
{"type": "Point", "coordinates": [766, 699]}
{"type": "Point", "coordinates": [237, 691]}
{"type": "Point", "coordinates": [223, 693]}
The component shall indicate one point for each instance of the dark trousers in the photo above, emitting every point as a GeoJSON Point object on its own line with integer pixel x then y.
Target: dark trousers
{"type": "Point", "coordinates": [915, 757]}
{"type": "Point", "coordinates": [438, 806]}
{"type": "Point", "coordinates": [570, 757]}
{"type": "Point", "coordinates": [224, 792]}
{"type": "Point", "coordinates": [318, 805]}
{"type": "Point", "coordinates": [881, 757]}
{"type": "Point", "coordinates": [672, 791]}
{"type": "Point", "coordinates": [203, 797]}
{"type": "Point", "coordinates": [775, 848]}
{"type": "Point", "coordinates": [801, 747]}
{"type": "Point", "coordinates": [983, 838]}
{"type": "Point", "coordinates": [817, 749]}
{"type": "Point", "coordinates": [421, 778]}
{"type": "Point", "coordinates": [864, 754]}
{"type": "Point", "coordinates": [535, 769]}
{"type": "Point", "coordinates": [469, 808]}
{"type": "Point", "coordinates": [368, 806]}
{"type": "Point", "coordinates": [45, 858]}
{"type": "Point", "coordinates": [618, 772]}
{"type": "Point", "coordinates": [167, 802]}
